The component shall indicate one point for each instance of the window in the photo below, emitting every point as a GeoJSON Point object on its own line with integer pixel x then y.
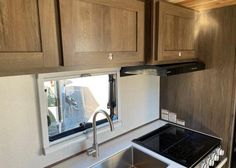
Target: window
{"type": "Point", "coordinates": [71, 103]}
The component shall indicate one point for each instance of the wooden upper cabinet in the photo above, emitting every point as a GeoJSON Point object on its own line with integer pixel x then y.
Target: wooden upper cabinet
{"type": "Point", "coordinates": [173, 33]}
{"type": "Point", "coordinates": [28, 36]}
{"type": "Point", "coordinates": [101, 33]}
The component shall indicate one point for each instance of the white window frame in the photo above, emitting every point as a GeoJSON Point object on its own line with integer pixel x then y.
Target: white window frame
{"type": "Point", "coordinates": [49, 147]}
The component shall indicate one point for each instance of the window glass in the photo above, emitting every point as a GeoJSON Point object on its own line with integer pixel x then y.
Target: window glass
{"type": "Point", "coordinates": [72, 103]}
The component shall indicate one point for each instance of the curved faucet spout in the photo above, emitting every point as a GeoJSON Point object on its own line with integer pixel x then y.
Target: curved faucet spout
{"type": "Point", "coordinates": [94, 150]}
{"type": "Point", "coordinates": [106, 115]}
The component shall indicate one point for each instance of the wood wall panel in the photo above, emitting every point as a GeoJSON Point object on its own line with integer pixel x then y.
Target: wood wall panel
{"type": "Point", "coordinates": [204, 99]}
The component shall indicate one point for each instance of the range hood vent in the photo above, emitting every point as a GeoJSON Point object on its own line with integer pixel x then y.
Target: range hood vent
{"type": "Point", "coordinates": [162, 70]}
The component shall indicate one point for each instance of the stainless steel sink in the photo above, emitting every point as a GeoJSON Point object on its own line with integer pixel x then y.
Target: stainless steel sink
{"type": "Point", "coordinates": [131, 158]}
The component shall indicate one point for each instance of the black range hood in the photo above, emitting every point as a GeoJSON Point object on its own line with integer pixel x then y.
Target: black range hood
{"type": "Point", "coordinates": [163, 70]}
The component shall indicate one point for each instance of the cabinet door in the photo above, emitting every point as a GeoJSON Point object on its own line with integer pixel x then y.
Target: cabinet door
{"type": "Point", "coordinates": [176, 32]}
{"type": "Point", "coordinates": [28, 37]}
{"type": "Point", "coordinates": [101, 33]}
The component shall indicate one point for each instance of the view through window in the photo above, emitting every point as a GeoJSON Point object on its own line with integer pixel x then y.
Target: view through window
{"type": "Point", "coordinates": [72, 103]}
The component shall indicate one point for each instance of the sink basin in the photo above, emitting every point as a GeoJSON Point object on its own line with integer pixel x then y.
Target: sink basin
{"type": "Point", "coordinates": [131, 158]}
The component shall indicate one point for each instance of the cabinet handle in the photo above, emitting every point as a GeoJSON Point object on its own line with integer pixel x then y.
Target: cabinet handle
{"type": "Point", "coordinates": [180, 54]}
{"type": "Point", "coordinates": [110, 56]}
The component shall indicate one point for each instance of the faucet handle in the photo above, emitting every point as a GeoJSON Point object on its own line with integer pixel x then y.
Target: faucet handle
{"type": "Point", "coordinates": [91, 151]}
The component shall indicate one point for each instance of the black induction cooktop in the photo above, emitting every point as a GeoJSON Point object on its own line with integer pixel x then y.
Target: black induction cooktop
{"type": "Point", "coordinates": [179, 144]}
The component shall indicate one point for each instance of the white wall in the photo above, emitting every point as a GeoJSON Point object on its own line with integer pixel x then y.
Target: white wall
{"type": "Point", "coordinates": [139, 100]}
{"type": "Point", "coordinates": [20, 133]}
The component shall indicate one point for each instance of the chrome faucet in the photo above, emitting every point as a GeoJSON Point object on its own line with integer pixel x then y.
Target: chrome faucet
{"type": "Point", "coordinates": [94, 150]}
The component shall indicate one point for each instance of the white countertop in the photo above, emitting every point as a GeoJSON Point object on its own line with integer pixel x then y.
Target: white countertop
{"type": "Point", "coordinates": [116, 145]}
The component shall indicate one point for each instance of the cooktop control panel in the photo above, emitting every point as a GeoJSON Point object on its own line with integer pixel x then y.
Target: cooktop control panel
{"type": "Point", "coordinates": [213, 159]}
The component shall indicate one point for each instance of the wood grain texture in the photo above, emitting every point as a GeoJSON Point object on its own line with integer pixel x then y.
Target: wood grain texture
{"type": "Point", "coordinates": [91, 29]}
{"type": "Point", "coordinates": [204, 99]}
{"type": "Point", "coordinates": [172, 32]}
{"type": "Point", "coordinates": [178, 33]}
{"type": "Point", "coordinates": [98, 28]}
{"type": "Point", "coordinates": [19, 26]}
{"type": "Point", "coordinates": [28, 35]}
{"type": "Point", "coordinates": [175, 33]}
{"type": "Point", "coordinates": [15, 62]}
{"type": "Point", "coordinates": [204, 4]}
{"type": "Point", "coordinates": [50, 38]}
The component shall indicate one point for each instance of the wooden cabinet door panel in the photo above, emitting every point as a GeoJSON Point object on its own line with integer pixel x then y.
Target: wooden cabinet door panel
{"type": "Point", "coordinates": [170, 33]}
{"type": "Point", "coordinates": [28, 35]}
{"type": "Point", "coordinates": [19, 26]}
{"type": "Point", "coordinates": [186, 34]}
{"type": "Point", "coordinates": [93, 30]}
{"type": "Point", "coordinates": [175, 28]}
{"type": "Point", "coordinates": [103, 28]}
